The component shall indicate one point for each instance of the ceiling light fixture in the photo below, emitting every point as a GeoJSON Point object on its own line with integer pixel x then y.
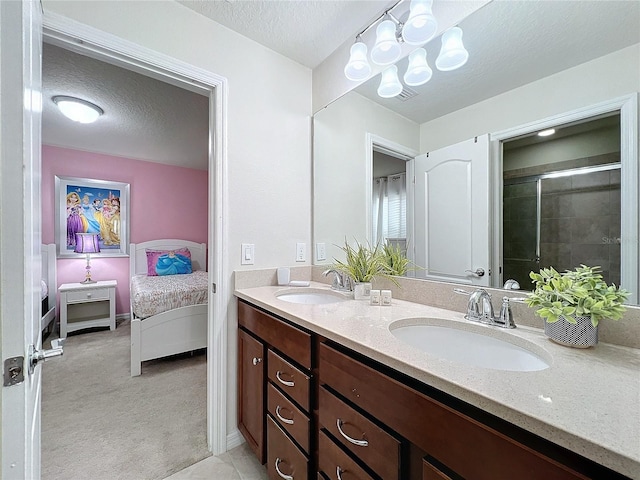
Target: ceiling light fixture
{"type": "Point", "coordinates": [390, 86]}
{"type": "Point", "coordinates": [546, 133]}
{"type": "Point", "coordinates": [419, 28]}
{"type": "Point", "coordinates": [358, 67]}
{"type": "Point", "coordinates": [418, 71]}
{"type": "Point", "coordinates": [77, 110]}
{"type": "Point", "coordinates": [453, 54]}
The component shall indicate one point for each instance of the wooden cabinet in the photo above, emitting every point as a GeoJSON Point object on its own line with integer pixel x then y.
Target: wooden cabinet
{"type": "Point", "coordinates": [329, 412]}
{"type": "Point", "coordinates": [279, 420]}
{"type": "Point", "coordinates": [251, 392]}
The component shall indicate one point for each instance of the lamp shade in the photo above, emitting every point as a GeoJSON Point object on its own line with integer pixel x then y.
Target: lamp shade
{"type": "Point", "coordinates": [358, 67]}
{"type": "Point", "coordinates": [390, 86]}
{"type": "Point", "coordinates": [386, 50]}
{"type": "Point", "coordinates": [452, 54]}
{"type": "Point", "coordinates": [418, 71]}
{"type": "Point", "coordinates": [78, 110]}
{"type": "Point", "coordinates": [421, 25]}
{"type": "Point", "coordinates": [87, 243]}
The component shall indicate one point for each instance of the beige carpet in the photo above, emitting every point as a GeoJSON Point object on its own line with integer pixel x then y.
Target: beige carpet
{"type": "Point", "coordinates": [99, 423]}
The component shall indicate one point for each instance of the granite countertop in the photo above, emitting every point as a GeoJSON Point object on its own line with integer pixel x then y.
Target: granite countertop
{"type": "Point", "coordinates": [588, 400]}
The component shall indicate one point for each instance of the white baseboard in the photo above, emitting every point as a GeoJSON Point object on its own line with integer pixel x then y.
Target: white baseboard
{"type": "Point", "coordinates": [234, 439]}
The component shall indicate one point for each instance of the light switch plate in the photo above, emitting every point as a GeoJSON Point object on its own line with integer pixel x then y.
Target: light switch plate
{"type": "Point", "coordinates": [247, 254]}
{"type": "Point", "coordinates": [321, 251]}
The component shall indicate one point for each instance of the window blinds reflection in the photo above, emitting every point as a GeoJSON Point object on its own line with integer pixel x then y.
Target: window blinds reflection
{"type": "Point", "coordinates": [390, 208]}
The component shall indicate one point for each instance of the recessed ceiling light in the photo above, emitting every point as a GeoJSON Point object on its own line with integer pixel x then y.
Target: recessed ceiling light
{"type": "Point", "coordinates": [77, 110]}
{"type": "Point", "coordinates": [546, 133]}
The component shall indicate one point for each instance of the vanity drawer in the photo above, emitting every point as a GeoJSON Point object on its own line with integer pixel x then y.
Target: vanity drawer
{"type": "Point", "coordinates": [283, 457]}
{"type": "Point", "coordinates": [88, 295]}
{"type": "Point", "coordinates": [431, 471]}
{"type": "Point", "coordinates": [380, 450]}
{"type": "Point", "coordinates": [274, 332]}
{"type": "Point", "coordinates": [293, 381]}
{"type": "Point", "coordinates": [332, 461]}
{"type": "Point", "coordinates": [289, 417]}
{"type": "Point", "coordinates": [467, 446]}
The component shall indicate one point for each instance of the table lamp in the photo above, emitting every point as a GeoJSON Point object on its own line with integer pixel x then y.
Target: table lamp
{"type": "Point", "coordinates": [87, 243]}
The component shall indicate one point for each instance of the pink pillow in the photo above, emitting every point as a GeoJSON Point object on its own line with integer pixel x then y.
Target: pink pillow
{"type": "Point", "coordinates": [168, 262]}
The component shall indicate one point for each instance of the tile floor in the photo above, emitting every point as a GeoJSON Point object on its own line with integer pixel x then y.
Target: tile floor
{"type": "Point", "coordinates": [237, 464]}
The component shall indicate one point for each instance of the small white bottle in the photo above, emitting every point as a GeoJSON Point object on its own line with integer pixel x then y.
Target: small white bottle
{"type": "Point", "coordinates": [283, 274]}
{"type": "Point", "coordinates": [385, 297]}
{"type": "Point", "coordinates": [374, 298]}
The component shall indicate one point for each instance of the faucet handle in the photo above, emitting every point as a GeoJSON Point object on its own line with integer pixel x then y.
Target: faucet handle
{"type": "Point", "coordinates": [506, 316]}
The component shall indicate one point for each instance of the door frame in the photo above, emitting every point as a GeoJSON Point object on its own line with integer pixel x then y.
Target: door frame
{"type": "Point", "coordinates": [395, 149]}
{"type": "Point", "coordinates": [93, 42]}
{"type": "Point", "coordinates": [627, 106]}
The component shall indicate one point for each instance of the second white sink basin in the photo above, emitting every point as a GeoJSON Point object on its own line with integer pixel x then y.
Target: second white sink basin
{"type": "Point", "coordinates": [311, 297]}
{"type": "Point", "coordinates": [470, 347]}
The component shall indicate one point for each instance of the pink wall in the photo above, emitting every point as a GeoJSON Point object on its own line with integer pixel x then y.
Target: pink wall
{"type": "Point", "coordinates": [165, 202]}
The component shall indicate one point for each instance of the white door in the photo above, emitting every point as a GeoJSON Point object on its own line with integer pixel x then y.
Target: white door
{"type": "Point", "coordinates": [20, 108]}
{"type": "Point", "coordinates": [452, 213]}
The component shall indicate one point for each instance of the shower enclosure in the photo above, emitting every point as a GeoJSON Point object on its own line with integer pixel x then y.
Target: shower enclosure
{"type": "Point", "coordinates": [562, 219]}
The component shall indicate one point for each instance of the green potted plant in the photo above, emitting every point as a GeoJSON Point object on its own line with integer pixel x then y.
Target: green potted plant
{"type": "Point", "coordinates": [362, 265]}
{"type": "Point", "coordinates": [395, 259]}
{"type": "Point", "coordinates": [573, 303]}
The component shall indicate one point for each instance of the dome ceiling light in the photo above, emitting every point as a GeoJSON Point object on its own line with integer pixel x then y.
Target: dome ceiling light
{"type": "Point", "coordinates": [419, 28]}
{"type": "Point", "coordinates": [77, 110]}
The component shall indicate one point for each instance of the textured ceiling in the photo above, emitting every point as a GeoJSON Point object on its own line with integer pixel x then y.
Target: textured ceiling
{"type": "Point", "coordinates": [306, 31]}
{"type": "Point", "coordinates": [512, 43]}
{"type": "Point", "coordinates": [143, 118]}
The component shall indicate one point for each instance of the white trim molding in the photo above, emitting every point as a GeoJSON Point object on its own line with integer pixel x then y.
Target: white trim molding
{"type": "Point", "coordinates": [90, 41]}
{"type": "Point", "coordinates": [628, 108]}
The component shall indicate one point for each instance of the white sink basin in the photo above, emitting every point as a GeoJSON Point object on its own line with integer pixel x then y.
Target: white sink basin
{"type": "Point", "coordinates": [311, 297]}
{"type": "Point", "coordinates": [472, 348]}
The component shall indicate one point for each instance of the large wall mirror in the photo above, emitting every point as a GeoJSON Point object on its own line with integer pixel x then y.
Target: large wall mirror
{"type": "Point", "coordinates": [529, 63]}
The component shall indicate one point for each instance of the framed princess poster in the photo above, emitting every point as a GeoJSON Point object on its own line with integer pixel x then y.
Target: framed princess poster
{"type": "Point", "coordinates": [92, 206]}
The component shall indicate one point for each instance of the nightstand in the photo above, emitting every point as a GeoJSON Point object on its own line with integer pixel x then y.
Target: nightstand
{"type": "Point", "coordinates": [87, 306]}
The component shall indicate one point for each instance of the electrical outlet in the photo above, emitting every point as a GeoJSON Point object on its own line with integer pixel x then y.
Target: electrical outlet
{"type": "Point", "coordinates": [248, 254]}
{"type": "Point", "coordinates": [321, 251]}
{"type": "Point", "coordinates": [301, 252]}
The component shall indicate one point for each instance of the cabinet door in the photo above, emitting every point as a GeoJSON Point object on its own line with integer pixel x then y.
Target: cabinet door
{"type": "Point", "coordinates": [251, 374]}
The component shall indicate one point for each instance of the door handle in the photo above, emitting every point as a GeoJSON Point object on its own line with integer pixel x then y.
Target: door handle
{"type": "Point", "coordinates": [36, 356]}
{"type": "Point", "coordinates": [479, 272]}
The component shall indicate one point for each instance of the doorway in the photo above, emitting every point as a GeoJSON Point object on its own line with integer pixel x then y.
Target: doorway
{"type": "Point", "coordinates": [93, 42]}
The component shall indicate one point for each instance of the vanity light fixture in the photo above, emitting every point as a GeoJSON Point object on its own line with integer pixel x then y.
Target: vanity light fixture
{"type": "Point", "coordinates": [421, 26]}
{"type": "Point", "coordinates": [547, 132]}
{"type": "Point", "coordinates": [386, 50]}
{"type": "Point", "coordinates": [358, 67]}
{"type": "Point", "coordinates": [452, 54]}
{"type": "Point", "coordinates": [418, 29]}
{"type": "Point", "coordinates": [77, 110]}
{"type": "Point", "coordinates": [390, 86]}
{"type": "Point", "coordinates": [418, 71]}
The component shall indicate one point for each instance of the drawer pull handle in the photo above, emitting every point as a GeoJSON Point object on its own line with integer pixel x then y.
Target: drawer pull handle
{"type": "Point", "coordinates": [256, 360]}
{"type": "Point", "coordinates": [282, 475]}
{"type": "Point", "coordinates": [288, 421]}
{"type": "Point", "coordinates": [284, 382]}
{"type": "Point", "coordinates": [360, 443]}
{"type": "Point", "coordinates": [339, 472]}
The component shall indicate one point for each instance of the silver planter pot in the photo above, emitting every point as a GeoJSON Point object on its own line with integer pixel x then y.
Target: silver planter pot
{"type": "Point", "coordinates": [582, 334]}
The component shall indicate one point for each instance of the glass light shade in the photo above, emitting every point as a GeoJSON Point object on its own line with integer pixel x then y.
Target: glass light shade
{"type": "Point", "coordinates": [452, 54]}
{"type": "Point", "coordinates": [418, 71]}
{"type": "Point", "coordinates": [78, 110]}
{"type": "Point", "coordinates": [421, 25]}
{"type": "Point", "coordinates": [390, 86]}
{"type": "Point", "coordinates": [386, 50]}
{"type": "Point", "coordinates": [87, 243]}
{"type": "Point", "coordinates": [358, 67]}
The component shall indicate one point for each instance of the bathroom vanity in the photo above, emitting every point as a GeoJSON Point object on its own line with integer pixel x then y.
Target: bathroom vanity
{"type": "Point", "coordinates": [326, 391]}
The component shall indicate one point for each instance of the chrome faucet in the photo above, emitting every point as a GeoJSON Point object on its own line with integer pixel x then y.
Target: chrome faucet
{"type": "Point", "coordinates": [480, 309]}
{"type": "Point", "coordinates": [340, 282]}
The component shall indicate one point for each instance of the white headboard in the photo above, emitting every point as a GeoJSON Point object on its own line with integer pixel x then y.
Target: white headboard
{"type": "Point", "coordinates": [138, 256]}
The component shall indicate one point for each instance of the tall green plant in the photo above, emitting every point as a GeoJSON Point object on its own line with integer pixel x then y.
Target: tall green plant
{"type": "Point", "coordinates": [395, 259]}
{"type": "Point", "coordinates": [579, 292]}
{"type": "Point", "coordinates": [362, 262]}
